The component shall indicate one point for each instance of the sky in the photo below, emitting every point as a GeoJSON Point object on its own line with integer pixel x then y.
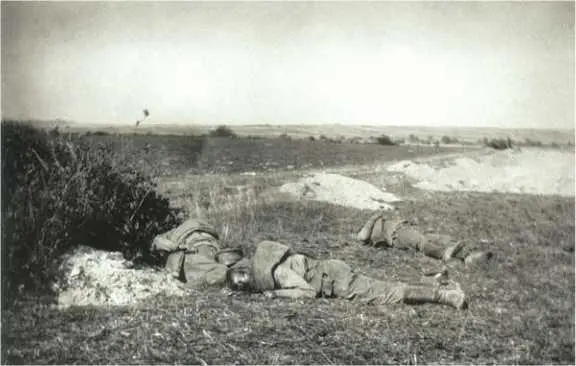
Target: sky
{"type": "Point", "coordinates": [481, 64]}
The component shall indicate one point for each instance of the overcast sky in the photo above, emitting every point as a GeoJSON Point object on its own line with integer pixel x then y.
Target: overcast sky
{"type": "Point", "coordinates": [508, 64]}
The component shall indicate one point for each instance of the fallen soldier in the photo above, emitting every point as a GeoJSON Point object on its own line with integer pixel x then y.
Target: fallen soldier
{"type": "Point", "coordinates": [278, 272]}
{"type": "Point", "coordinates": [193, 254]}
{"type": "Point", "coordinates": [404, 234]}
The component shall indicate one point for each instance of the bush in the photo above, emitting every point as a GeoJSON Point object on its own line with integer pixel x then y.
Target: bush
{"type": "Point", "coordinates": [223, 131]}
{"type": "Point", "coordinates": [499, 144]}
{"type": "Point", "coordinates": [311, 138]}
{"type": "Point", "coordinates": [449, 140]}
{"type": "Point", "coordinates": [385, 140]}
{"type": "Point", "coordinates": [57, 195]}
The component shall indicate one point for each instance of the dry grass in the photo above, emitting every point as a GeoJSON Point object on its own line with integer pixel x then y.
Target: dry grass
{"type": "Point", "coordinates": [521, 311]}
{"type": "Point", "coordinates": [522, 305]}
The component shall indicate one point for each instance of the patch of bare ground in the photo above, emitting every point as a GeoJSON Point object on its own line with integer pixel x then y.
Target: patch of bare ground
{"type": "Point", "coordinates": [521, 305]}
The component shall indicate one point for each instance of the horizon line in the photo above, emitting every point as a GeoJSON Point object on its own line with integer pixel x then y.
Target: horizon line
{"type": "Point", "coordinates": [148, 124]}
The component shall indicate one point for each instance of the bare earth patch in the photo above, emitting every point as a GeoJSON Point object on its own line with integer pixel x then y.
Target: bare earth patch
{"type": "Point", "coordinates": [340, 190]}
{"type": "Point", "coordinates": [95, 277]}
{"type": "Point", "coordinates": [532, 171]}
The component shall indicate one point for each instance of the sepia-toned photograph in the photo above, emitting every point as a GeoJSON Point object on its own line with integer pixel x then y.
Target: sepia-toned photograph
{"type": "Point", "coordinates": [287, 182]}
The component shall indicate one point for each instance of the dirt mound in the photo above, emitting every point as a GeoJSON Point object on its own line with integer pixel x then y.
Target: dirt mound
{"type": "Point", "coordinates": [532, 171]}
{"type": "Point", "coordinates": [94, 277]}
{"type": "Point", "coordinates": [340, 190]}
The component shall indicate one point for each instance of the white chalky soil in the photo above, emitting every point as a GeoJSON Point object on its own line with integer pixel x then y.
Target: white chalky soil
{"type": "Point", "coordinates": [531, 171]}
{"type": "Point", "coordinates": [340, 190]}
{"type": "Point", "coordinates": [95, 277]}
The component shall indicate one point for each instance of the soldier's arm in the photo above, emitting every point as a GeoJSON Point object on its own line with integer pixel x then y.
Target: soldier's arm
{"type": "Point", "coordinates": [291, 284]}
{"type": "Point", "coordinates": [293, 293]}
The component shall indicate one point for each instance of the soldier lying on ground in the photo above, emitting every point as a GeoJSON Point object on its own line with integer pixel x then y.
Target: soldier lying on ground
{"type": "Point", "coordinates": [404, 234]}
{"type": "Point", "coordinates": [276, 271]}
{"type": "Point", "coordinates": [193, 254]}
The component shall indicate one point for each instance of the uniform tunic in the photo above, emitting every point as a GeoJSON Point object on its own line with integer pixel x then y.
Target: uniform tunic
{"type": "Point", "coordinates": [193, 246]}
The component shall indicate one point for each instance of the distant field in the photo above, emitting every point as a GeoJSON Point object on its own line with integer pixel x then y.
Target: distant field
{"type": "Point", "coordinates": [463, 134]}
{"type": "Point", "coordinates": [179, 154]}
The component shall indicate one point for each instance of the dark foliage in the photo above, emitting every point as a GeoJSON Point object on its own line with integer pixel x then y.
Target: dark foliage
{"type": "Point", "coordinates": [385, 140]}
{"type": "Point", "coordinates": [222, 131]}
{"type": "Point", "coordinates": [58, 194]}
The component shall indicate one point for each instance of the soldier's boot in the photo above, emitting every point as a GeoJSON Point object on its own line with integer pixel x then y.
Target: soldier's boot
{"type": "Point", "coordinates": [365, 233]}
{"type": "Point", "coordinates": [452, 296]}
{"type": "Point", "coordinates": [477, 258]}
{"type": "Point", "coordinates": [437, 278]}
{"type": "Point", "coordinates": [452, 251]}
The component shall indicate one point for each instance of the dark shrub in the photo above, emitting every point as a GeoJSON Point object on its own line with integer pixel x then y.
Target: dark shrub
{"type": "Point", "coordinates": [449, 140]}
{"type": "Point", "coordinates": [223, 131]}
{"type": "Point", "coordinates": [385, 140]}
{"type": "Point", "coordinates": [499, 144]}
{"type": "Point", "coordinates": [311, 138]}
{"type": "Point", "coordinates": [57, 195]}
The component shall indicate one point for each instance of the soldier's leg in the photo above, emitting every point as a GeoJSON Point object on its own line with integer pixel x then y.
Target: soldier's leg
{"type": "Point", "coordinates": [431, 246]}
{"type": "Point", "coordinates": [330, 278]}
{"type": "Point", "coordinates": [345, 283]}
{"type": "Point", "coordinates": [420, 294]}
{"type": "Point", "coordinates": [365, 233]}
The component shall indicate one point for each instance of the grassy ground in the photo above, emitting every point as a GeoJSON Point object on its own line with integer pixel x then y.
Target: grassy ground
{"type": "Point", "coordinates": [174, 155]}
{"type": "Point", "coordinates": [521, 306]}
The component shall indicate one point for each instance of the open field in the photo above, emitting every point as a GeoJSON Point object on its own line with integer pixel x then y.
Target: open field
{"type": "Point", "coordinates": [177, 154]}
{"type": "Point", "coordinates": [463, 134]}
{"type": "Point", "coordinates": [521, 304]}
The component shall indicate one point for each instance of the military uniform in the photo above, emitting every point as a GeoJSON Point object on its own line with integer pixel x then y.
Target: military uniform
{"type": "Point", "coordinates": [192, 249]}
{"type": "Point", "coordinates": [403, 234]}
{"type": "Point", "coordinates": [277, 270]}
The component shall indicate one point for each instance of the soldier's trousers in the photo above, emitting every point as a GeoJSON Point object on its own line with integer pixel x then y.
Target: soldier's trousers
{"type": "Point", "coordinates": [431, 245]}
{"type": "Point", "coordinates": [334, 278]}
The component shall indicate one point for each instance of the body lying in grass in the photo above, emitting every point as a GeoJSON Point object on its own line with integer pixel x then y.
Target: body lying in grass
{"type": "Point", "coordinates": [403, 234]}
{"type": "Point", "coordinates": [278, 272]}
{"type": "Point", "coordinates": [193, 254]}
{"type": "Point", "coordinates": [195, 258]}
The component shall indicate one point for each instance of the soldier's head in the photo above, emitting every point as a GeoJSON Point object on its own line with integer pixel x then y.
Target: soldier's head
{"type": "Point", "coordinates": [239, 278]}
